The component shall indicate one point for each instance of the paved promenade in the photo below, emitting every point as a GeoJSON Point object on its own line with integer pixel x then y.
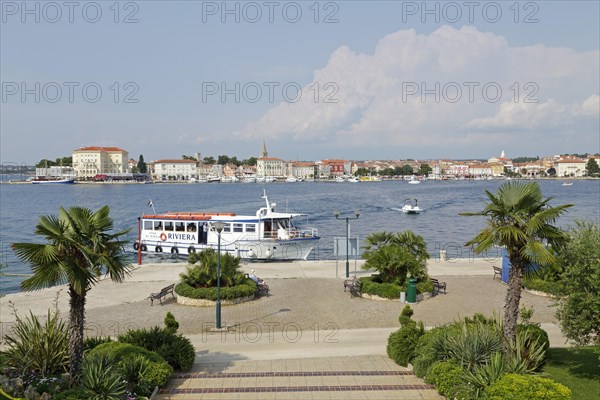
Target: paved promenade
{"type": "Point", "coordinates": [307, 325]}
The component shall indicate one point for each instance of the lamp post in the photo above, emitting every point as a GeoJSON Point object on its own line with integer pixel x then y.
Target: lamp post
{"type": "Point", "coordinates": [336, 213]}
{"type": "Point", "coordinates": [219, 228]}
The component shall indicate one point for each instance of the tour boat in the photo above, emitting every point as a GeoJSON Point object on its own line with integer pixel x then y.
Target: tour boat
{"type": "Point", "coordinates": [414, 181]}
{"type": "Point", "coordinates": [410, 207]}
{"type": "Point", "coordinates": [267, 235]}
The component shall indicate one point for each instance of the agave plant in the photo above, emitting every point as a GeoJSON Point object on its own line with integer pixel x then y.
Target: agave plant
{"type": "Point", "coordinates": [133, 370]}
{"type": "Point", "coordinates": [101, 378]}
{"type": "Point", "coordinates": [38, 347]}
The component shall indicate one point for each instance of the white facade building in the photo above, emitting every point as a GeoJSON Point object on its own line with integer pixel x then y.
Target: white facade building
{"type": "Point", "coordinates": [179, 170]}
{"type": "Point", "coordinates": [91, 161]}
{"type": "Point", "coordinates": [570, 167]}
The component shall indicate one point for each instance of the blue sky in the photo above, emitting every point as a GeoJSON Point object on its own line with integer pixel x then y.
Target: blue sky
{"type": "Point", "coordinates": [377, 80]}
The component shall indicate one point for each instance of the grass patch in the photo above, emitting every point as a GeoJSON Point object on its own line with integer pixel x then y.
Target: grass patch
{"type": "Point", "coordinates": [576, 368]}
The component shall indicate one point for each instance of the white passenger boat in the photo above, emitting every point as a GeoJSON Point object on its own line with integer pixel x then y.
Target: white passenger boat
{"type": "Point", "coordinates": [267, 235]}
{"type": "Point", "coordinates": [410, 207]}
{"type": "Point", "coordinates": [414, 181]}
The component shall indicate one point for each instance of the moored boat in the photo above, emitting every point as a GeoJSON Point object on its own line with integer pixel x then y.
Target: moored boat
{"type": "Point", "coordinates": [53, 180]}
{"type": "Point", "coordinates": [267, 235]}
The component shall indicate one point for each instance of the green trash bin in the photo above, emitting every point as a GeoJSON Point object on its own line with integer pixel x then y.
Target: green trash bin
{"type": "Point", "coordinates": [411, 291]}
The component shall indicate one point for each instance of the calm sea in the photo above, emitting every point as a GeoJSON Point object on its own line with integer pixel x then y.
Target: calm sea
{"type": "Point", "coordinates": [22, 205]}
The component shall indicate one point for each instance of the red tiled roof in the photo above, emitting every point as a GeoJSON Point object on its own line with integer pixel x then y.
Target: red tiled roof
{"type": "Point", "coordinates": [98, 148]}
{"type": "Point", "coordinates": [570, 160]}
{"type": "Point", "coordinates": [270, 159]}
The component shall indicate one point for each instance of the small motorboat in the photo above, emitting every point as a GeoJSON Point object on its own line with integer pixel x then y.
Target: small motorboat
{"type": "Point", "coordinates": [567, 183]}
{"type": "Point", "coordinates": [410, 207]}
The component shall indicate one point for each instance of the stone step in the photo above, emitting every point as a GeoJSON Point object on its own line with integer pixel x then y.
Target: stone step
{"type": "Point", "coordinates": [298, 384]}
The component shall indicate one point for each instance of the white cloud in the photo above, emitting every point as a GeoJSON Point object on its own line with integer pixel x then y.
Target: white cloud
{"type": "Point", "coordinates": [373, 106]}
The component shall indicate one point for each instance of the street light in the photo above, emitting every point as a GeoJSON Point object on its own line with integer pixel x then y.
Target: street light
{"type": "Point", "coordinates": [219, 228]}
{"type": "Point", "coordinates": [336, 213]}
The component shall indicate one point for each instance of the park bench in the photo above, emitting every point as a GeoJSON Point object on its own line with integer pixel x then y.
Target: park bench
{"type": "Point", "coordinates": [497, 271]}
{"type": "Point", "coordinates": [437, 285]}
{"type": "Point", "coordinates": [353, 285]}
{"type": "Point", "coordinates": [163, 293]}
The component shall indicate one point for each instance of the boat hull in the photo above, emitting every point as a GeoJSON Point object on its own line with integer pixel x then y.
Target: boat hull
{"type": "Point", "coordinates": [258, 250]}
{"type": "Point", "coordinates": [54, 182]}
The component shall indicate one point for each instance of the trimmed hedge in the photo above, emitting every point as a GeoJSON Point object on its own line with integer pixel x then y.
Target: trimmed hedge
{"type": "Point", "coordinates": [448, 379]}
{"type": "Point", "coordinates": [526, 387]}
{"type": "Point", "coordinates": [158, 374]}
{"type": "Point", "coordinates": [72, 394]}
{"type": "Point", "coordinates": [370, 285]}
{"type": "Point", "coordinates": [176, 349]}
{"type": "Point", "coordinates": [227, 293]}
{"type": "Point", "coordinates": [553, 288]}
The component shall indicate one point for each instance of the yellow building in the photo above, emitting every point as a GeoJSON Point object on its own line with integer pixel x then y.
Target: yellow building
{"type": "Point", "coordinates": [91, 161]}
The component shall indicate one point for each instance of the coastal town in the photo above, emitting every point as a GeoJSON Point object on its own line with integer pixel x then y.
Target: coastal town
{"type": "Point", "coordinates": [113, 164]}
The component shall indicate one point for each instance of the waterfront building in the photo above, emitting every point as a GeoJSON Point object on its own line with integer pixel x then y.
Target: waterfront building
{"type": "Point", "coordinates": [335, 168]}
{"type": "Point", "coordinates": [303, 170]}
{"type": "Point", "coordinates": [270, 166]}
{"type": "Point", "coordinates": [570, 167]}
{"type": "Point", "coordinates": [169, 170]}
{"type": "Point", "coordinates": [91, 161]}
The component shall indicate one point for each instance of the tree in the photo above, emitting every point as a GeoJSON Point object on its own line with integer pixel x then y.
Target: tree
{"type": "Point", "coordinates": [520, 220]}
{"type": "Point", "coordinates": [407, 170]}
{"type": "Point", "coordinates": [394, 256]}
{"type": "Point", "coordinates": [592, 167]}
{"type": "Point", "coordinates": [141, 165]}
{"type": "Point", "coordinates": [209, 160]}
{"type": "Point", "coordinates": [251, 161]}
{"type": "Point", "coordinates": [579, 311]}
{"type": "Point", "coordinates": [191, 158]}
{"type": "Point", "coordinates": [425, 169]}
{"type": "Point", "coordinates": [79, 248]}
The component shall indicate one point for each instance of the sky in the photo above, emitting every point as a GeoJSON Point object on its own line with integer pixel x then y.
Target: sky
{"type": "Point", "coordinates": [315, 80]}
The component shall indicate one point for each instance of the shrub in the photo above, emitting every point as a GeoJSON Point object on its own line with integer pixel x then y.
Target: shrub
{"type": "Point", "coordinates": [554, 288]}
{"type": "Point", "coordinates": [401, 344]}
{"type": "Point", "coordinates": [526, 387]}
{"type": "Point", "coordinates": [536, 333]}
{"type": "Point", "coordinates": [203, 272]}
{"type": "Point", "coordinates": [385, 290]}
{"type": "Point", "coordinates": [37, 346]}
{"type": "Point", "coordinates": [472, 344]}
{"type": "Point", "coordinates": [72, 394]}
{"type": "Point", "coordinates": [135, 369]}
{"type": "Point", "coordinates": [248, 288]}
{"type": "Point", "coordinates": [101, 378]}
{"type": "Point", "coordinates": [160, 371]}
{"type": "Point", "coordinates": [91, 342]}
{"type": "Point", "coordinates": [176, 349]}
{"type": "Point", "coordinates": [447, 377]}
{"type": "Point", "coordinates": [424, 286]}
{"type": "Point", "coordinates": [171, 323]}
{"type": "Point", "coordinates": [430, 349]}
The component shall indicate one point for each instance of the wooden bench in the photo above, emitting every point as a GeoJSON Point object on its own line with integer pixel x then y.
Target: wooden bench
{"type": "Point", "coordinates": [437, 285]}
{"type": "Point", "coordinates": [497, 271]}
{"type": "Point", "coordinates": [353, 285]}
{"type": "Point", "coordinates": [163, 293]}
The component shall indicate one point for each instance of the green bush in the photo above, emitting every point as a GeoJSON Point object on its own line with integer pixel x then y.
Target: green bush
{"type": "Point", "coordinates": [554, 288]}
{"type": "Point", "coordinates": [448, 379]}
{"type": "Point", "coordinates": [401, 344]}
{"type": "Point", "coordinates": [430, 349]}
{"type": "Point", "coordinates": [38, 346]}
{"type": "Point", "coordinates": [385, 290]}
{"type": "Point", "coordinates": [171, 323]}
{"type": "Point", "coordinates": [91, 342]}
{"type": "Point", "coordinates": [72, 394]}
{"type": "Point", "coordinates": [176, 349]}
{"type": "Point", "coordinates": [536, 333]}
{"type": "Point", "coordinates": [526, 387]}
{"type": "Point", "coordinates": [425, 287]}
{"type": "Point", "coordinates": [101, 377]}
{"type": "Point", "coordinates": [248, 288]}
{"type": "Point", "coordinates": [160, 371]}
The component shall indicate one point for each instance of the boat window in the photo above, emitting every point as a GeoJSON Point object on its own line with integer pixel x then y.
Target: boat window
{"type": "Point", "coordinates": [250, 227]}
{"type": "Point", "coordinates": [180, 226]}
{"type": "Point", "coordinates": [227, 228]}
{"type": "Point", "coordinates": [158, 226]}
{"type": "Point", "coordinates": [147, 225]}
{"type": "Point", "coordinates": [191, 227]}
{"type": "Point", "coordinates": [238, 227]}
{"type": "Point", "coordinates": [168, 226]}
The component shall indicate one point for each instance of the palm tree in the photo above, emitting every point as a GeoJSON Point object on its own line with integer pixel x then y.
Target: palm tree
{"type": "Point", "coordinates": [79, 248]}
{"type": "Point", "coordinates": [520, 220]}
